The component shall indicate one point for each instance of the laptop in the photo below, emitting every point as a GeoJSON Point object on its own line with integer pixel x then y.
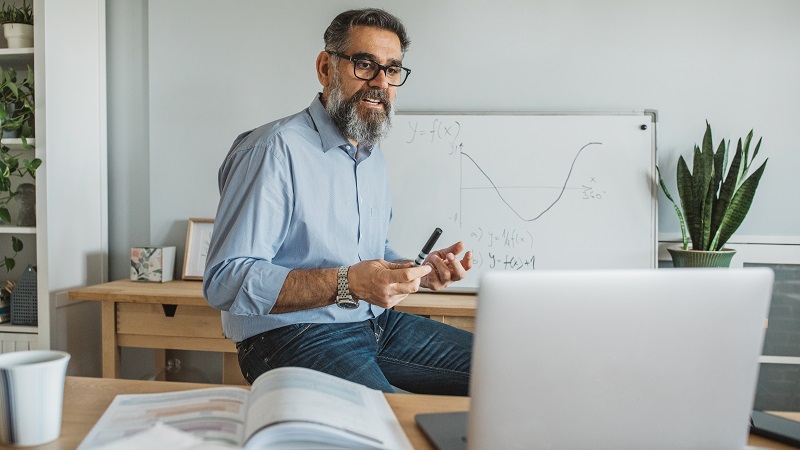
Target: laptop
{"type": "Point", "coordinates": [612, 359]}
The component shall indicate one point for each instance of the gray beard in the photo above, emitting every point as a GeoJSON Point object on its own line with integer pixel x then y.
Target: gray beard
{"type": "Point", "coordinates": [370, 130]}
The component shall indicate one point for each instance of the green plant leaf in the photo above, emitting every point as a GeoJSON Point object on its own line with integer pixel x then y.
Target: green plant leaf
{"type": "Point", "coordinates": [729, 187]}
{"type": "Point", "coordinates": [717, 209]}
{"type": "Point", "coordinates": [9, 263]}
{"type": "Point", "coordinates": [16, 244]}
{"type": "Point", "coordinates": [738, 208]}
{"type": "Point", "coordinates": [5, 216]}
{"type": "Point", "coordinates": [686, 193]}
{"type": "Point", "coordinates": [708, 208]}
{"type": "Point", "coordinates": [758, 145]}
{"type": "Point", "coordinates": [31, 166]}
{"type": "Point", "coordinates": [706, 189]}
{"type": "Point", "coordinates": [746, 156]}
{"type": "Point", "coordinates": [677, 209]}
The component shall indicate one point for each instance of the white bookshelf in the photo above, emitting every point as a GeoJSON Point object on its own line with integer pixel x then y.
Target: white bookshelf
{"type": "Point", "coordinates": [25, 337]}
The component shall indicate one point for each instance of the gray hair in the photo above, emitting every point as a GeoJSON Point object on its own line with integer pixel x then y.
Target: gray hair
{"type": "Point", "coordinates": [337, 36]}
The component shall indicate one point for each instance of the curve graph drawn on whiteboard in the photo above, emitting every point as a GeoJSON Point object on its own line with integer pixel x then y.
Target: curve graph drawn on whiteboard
{"type": "Point", "coordinates": [526, 191]}
{"type": "Point", "coordinates": [511, 207]}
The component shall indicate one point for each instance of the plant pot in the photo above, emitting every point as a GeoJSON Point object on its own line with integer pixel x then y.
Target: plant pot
{"type": "Point", "coordinates": [26, 197]}
{"type": "Point", "coordinates": [701, 258]}
{"type": "Point", "coordinates": [18, 35]}
{"type": "Point", "coordinates": [10, 108]}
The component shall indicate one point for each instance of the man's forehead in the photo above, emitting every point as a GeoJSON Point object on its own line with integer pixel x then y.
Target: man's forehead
{"type": "Point", "coordinates": [376, 42]}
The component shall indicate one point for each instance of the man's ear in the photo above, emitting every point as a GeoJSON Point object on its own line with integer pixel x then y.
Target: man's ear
{"type": "Point", "coordinates": [324, 68]}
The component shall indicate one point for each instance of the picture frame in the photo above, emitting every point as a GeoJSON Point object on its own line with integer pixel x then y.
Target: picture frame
{"type": "Point", "coordinates": [198, 237]}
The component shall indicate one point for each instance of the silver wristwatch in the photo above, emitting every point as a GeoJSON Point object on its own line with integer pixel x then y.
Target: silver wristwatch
{"type": "Point", "coordinates": [344, 299]}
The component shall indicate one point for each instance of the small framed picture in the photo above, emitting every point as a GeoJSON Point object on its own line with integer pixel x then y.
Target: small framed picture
{"type": "Point", "coordinates": [198, 237]}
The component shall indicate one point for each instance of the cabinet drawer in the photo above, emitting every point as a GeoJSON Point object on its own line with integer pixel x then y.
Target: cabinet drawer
{"type": "Point", "coordinates": [188, 321]}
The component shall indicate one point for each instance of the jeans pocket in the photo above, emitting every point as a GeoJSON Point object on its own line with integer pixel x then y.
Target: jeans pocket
{"type": "Point", "coordinates": [245, 348]}
{"type": "Point", "coordinates": [266, 347]}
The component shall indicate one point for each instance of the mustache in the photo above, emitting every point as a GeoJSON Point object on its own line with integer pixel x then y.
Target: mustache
{"type": "Point", "coordinates": [377, 94]}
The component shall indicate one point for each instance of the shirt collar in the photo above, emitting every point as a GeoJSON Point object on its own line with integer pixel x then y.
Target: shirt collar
{"type": "Point", "coordinates": [330, 135]}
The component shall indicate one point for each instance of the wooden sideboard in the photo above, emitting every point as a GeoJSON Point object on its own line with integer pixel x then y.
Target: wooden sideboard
{"type": "Point", "coordinates": [175, 315]}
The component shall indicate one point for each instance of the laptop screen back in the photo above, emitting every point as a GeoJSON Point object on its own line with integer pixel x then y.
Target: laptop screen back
{"type": "Point", "coordinates": [617, 358]}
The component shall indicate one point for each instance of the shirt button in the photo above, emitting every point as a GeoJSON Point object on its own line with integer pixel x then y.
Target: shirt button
{"type": "Point", "coordinates": [347, 147]}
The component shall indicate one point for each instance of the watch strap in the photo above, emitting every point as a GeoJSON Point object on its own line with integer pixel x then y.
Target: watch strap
{"type": "Point", "coordinates": [344, 299]}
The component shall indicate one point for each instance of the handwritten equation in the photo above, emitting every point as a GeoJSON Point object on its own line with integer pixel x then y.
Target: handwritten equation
{"type": "Point", "coordinates": [436, 130]}
{"type": "Point", "coordinates": [508, 238]}
{"type": "Point", "coordinates": [504, 249]}
{"type": "Point", "coordinates": [503, 261]}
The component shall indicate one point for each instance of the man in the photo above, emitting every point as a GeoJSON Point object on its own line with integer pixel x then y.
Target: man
{"type": "Point", "coordinates": [299, 262]}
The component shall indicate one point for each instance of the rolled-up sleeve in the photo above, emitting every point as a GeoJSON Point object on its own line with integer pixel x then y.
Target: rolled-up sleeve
{"type": "Point", "coordinates": [251, 224]}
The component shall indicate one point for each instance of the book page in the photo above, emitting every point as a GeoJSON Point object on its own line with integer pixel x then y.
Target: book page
{"type": "Point", "coordinates": [296, 405]}
{"type": "Point", "coordinates": [213, 414]}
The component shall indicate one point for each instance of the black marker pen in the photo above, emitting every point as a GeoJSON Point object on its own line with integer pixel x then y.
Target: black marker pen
{"type": "Point", "coordinates": [428, 246]}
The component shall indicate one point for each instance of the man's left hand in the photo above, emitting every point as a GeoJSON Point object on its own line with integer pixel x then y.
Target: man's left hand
{"type": "Point", "coordinates": [446, 267]}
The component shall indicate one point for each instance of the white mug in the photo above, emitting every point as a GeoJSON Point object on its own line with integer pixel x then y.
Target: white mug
{"type": "Point", "coordinates": [31, 396]}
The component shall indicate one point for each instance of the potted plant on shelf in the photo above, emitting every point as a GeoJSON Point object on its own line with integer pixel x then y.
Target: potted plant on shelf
{"type": "Point", "coordinates": [16, 115]}
{"type": "Point", "coordinates": [17, 24]}
{"type": "Point", "coordinates": [715, 199]}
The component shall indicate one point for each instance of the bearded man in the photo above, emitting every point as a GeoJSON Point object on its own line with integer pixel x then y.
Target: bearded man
{"type": "Point", "coordinates": [299, 262]}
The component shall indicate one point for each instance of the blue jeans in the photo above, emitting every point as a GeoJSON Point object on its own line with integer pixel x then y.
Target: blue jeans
{"type": "Point", "coordinates": [394, 349]}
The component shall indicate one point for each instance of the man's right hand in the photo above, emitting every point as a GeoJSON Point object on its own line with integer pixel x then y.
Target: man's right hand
{"type": "Point", "coordinates": [383, 283]}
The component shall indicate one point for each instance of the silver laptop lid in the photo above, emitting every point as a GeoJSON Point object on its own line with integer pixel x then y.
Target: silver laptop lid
{"type": "Point", "coordinates": [617, 358]}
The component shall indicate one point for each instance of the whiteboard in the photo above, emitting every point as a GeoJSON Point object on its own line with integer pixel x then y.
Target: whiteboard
{"type": "Point", "coordinates": [526, 191]}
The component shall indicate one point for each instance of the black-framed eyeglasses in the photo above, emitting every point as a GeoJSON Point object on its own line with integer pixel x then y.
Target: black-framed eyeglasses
{"type": "Point", "coordinates": [367, 69]}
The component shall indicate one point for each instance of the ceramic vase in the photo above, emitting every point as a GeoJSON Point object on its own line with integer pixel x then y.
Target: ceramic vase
{"type": "Point", "coordinates": [18, 35]}
{"type": "Point", "coordinates": [700, 258]}
{"type": "Point", "coordinates": [26, 196]}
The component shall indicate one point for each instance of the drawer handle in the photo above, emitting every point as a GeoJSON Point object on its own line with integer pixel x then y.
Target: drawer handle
{"type": "Point", "coordinates": [169, 310]}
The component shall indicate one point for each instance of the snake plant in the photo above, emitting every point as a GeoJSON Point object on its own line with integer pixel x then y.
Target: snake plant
{"type": "Point", "coordinates": [715, 198]}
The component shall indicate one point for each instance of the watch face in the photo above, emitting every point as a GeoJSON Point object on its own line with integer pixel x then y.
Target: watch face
{"type": "Point", "coordinates": [347, 303]}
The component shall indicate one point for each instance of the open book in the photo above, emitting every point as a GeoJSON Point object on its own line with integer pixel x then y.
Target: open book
{"type": "Point", "coordinates": [290, 407]}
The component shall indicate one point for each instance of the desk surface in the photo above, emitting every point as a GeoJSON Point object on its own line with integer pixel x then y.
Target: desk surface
{"type": "Point", "coordinates": [85, 400]}
{"type": "Point", "coordinates": [126, 291]}
{"type": "Point", "coordinates": [181, 292]}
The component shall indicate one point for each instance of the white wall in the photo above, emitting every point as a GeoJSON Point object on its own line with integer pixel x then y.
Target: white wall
{"type": "Point", "coordinates": [215, 72]}
{"type": "Point", "coordinates": [216, 69]}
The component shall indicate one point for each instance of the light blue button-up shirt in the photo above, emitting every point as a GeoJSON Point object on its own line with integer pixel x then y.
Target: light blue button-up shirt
{"type": "Point", "coordinates": [293, 196]}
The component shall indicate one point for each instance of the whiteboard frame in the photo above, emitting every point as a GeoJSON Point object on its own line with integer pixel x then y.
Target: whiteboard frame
{"type": "Point", "coordinates": [651, 113]}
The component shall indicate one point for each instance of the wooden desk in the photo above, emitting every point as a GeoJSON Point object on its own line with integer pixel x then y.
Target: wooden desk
{"type": "Point", "coordinates": [175, 315]}
{"type": "Point", "coordinates": [85, 400]}
{"type": "Point", "coordinates": [457, 310]}
{"type": "Point", "coordinates": [160, 316]}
